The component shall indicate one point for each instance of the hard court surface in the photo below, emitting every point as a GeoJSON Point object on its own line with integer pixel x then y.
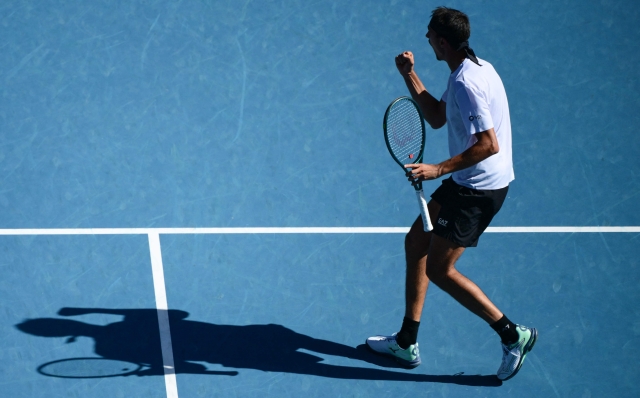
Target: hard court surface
{"type": "Point", "coordinates": [196, 200]}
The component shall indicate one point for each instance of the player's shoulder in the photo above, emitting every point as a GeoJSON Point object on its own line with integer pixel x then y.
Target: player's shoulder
{"type": "Point", "coordinates": [473, 76]}
{"type": "Point", "coordinates": [472, 71]}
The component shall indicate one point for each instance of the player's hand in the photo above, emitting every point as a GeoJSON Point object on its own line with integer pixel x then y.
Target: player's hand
{"type": "Point", "coordinates": [422, 172]}
{"type": "Point", "coordinates": [404, 63]}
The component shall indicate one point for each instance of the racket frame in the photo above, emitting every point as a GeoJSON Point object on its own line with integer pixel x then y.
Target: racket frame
{"type": "Point", "coordinates": [424, 211]}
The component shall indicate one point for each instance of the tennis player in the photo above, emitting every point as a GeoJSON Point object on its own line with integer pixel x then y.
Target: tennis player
{"type": "Point", "coordinates": [476, 112]}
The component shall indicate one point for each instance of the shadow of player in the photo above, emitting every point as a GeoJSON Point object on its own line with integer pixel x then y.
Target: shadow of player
{"type": "Point", "coordinates": [270, 348]}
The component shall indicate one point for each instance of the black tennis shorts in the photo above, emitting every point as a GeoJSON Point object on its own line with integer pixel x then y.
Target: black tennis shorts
{"type": "Point", "coordinates": [465, 212]}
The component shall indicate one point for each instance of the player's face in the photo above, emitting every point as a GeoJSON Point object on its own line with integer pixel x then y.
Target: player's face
{"type": "Point", "coordinates": [435, 44]}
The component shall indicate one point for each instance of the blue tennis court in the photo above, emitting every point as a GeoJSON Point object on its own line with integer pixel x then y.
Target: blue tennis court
{"type": "Point", "coordinates": [197, 200]}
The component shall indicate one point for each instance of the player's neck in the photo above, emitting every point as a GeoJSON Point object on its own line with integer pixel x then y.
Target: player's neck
{"type": "Point", "coordinates": [455, 59]}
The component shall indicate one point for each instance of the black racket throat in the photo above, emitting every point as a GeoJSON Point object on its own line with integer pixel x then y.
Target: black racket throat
{"type": "Point", "coordinates": [417, 184]}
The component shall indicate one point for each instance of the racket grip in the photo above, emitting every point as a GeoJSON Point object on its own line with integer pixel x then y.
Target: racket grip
{"type": "Point", "coordinates": [424, 211]}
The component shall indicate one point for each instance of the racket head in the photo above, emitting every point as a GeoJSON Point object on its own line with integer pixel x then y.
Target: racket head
{"type": "Point", "coordinates": [404, 131]}
{"type": "Point", "coordinates": [88, 368]}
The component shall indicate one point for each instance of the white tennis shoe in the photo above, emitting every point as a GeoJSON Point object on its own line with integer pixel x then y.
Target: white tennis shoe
{"type": "Point", "coordinates": [387, 345]}
{"type": "Point", "coordinates": [514, 354]}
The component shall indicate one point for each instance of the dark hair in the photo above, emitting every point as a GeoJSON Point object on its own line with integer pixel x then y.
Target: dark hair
{"type": "Point", "coordinates": [452, 25]}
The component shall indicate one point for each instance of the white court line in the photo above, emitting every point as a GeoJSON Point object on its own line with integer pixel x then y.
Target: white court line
{"type": "Point", "coordinates": [163, 316]}
{"type": "Point", "coordinates": [297, 230]}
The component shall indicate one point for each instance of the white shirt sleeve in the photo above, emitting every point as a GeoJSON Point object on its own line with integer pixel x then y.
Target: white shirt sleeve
{"type": "Point", "coordinates": [474, 109]}
{"type": "Point", "coordinates": [444, 95]}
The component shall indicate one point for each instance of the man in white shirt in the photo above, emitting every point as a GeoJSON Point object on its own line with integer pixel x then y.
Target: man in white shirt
{"type": "Point", "coordinates": [476, 112]}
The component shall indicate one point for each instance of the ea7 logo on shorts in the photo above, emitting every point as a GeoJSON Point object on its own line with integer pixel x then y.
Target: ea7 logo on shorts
{"type": "Point", "coordinates": [442, 222]}
{"type": "Point", "coordinates": [472, 118]}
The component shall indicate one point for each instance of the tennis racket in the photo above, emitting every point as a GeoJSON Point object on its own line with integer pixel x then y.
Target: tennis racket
{"type": "Point", "coordinates": [404, 133]}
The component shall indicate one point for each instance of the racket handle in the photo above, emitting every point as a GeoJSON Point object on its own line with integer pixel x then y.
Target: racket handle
{"type": "Point", "coordinates": [424, 211]}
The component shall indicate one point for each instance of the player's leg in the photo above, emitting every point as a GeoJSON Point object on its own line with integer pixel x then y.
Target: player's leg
{"type": "Point", "coordinates": [460, 223]}
{"type": "Point", "coordinates": [403, 345]}
{"type": "Point", "coordinates": [441, 270]}
{"type": "Point", "coordinates": [416, 247]}
{"type": "Point", "coordinates": [517, 340]}
{"type": "Point", "coordinates": [463, 217]}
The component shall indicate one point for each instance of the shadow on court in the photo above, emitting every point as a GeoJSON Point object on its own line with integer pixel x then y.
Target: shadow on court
{"type": "Point", "coordinates": [270, 348]}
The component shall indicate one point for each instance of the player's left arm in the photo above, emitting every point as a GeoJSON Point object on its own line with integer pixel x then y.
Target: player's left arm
{"type": "Point", "coordinates": [485, 146]}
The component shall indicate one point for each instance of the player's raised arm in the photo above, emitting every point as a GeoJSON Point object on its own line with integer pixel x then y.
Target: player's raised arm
{"type": "Point", "coordinates": [434, 111]}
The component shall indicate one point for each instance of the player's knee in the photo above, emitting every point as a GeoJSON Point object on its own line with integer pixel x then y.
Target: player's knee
{"type": "Point", "coordinates": [438, 275]}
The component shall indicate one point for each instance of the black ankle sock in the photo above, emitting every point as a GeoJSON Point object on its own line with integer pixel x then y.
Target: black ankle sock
{"type": "Point", "coordinates": [408, 334]}
{"type": "Point", "coordinates": [506, 330]}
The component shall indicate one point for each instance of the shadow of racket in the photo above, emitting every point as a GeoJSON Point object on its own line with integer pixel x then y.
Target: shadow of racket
{"type": "Point", "coordinates": [96, 367]}
{"type": "Point", "coordinates": [89, 368]}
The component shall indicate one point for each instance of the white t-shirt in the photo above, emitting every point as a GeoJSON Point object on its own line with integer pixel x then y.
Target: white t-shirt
{"type": "Point", "coordinates": [476, 101]}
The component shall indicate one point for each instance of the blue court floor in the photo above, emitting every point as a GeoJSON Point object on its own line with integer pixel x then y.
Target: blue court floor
{"type": "Point", "coordinates": [178, 180]}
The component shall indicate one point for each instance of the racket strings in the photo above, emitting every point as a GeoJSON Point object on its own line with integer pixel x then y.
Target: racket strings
{"type": "Point", "coordinates": [404, 131]}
